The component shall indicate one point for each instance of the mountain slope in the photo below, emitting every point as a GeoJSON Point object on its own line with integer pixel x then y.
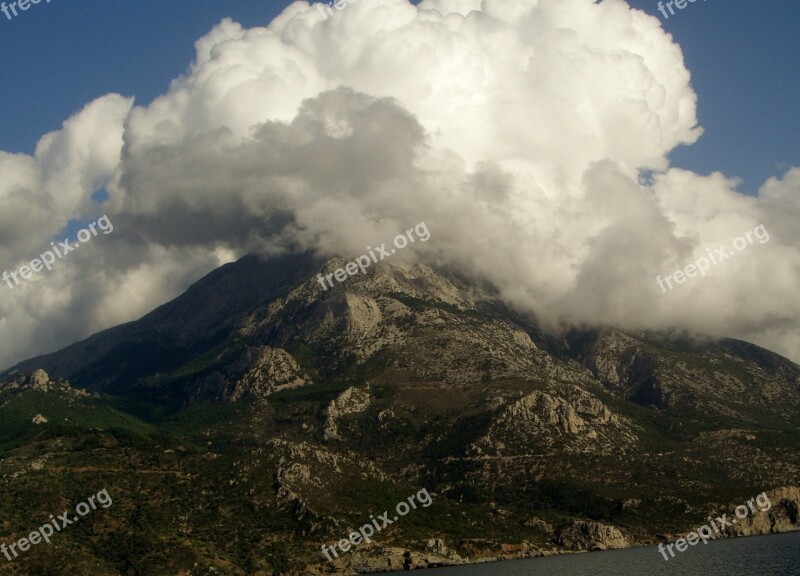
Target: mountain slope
{"type": "Point", "coordinates": [176, 332]}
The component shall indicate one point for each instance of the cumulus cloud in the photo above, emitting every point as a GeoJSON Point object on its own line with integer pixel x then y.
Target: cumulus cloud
{"type": "Point", "coordinates": [530, 135]}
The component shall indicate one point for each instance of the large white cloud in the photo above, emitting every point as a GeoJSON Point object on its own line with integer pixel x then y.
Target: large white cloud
{"type": "Point", "coordinates": [516, 129]}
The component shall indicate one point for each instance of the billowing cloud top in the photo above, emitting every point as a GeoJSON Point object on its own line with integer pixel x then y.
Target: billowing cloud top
{"type": "Point", "coordinates": [518, 130]}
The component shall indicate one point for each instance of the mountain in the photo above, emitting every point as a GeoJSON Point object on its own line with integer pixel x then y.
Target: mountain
{"type": "Point", "coordinates": [258, 417]}
{"type": "Point", "coordinates": [176, 332]}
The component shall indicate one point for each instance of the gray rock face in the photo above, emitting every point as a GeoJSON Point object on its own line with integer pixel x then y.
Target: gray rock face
{"type": "Point", "coordinates": [620, 363]}
{"type": "Point", "coordinates": [39, 381]}
{"type": "Point", "coordinates": [351, 401]}
{"type": "Point", "coordinates": [426, 554]}
{"type": "Point", "coordinates": [706, 379]}
{"type": "Point", "coordinates": [783, 516]}
{"type": "Point", "coordinates": [583, 535]}
{"type": "Point", "coordinates": [262, 370]}
{"type": "Point", "coordinates": [579, 420]}
{"type": "Point", "coordinates": [432, 326]}
{"type": "Point", "coordinates": [257, 372]}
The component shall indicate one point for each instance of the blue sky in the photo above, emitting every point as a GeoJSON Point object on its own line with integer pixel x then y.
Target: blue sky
{"type": "Point", "coordinates": [744, 57]}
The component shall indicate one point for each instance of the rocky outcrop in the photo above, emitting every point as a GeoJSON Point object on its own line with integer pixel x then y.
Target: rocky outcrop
{"type": "Point", "coordinates": [262, 370]}
{"type": "Point", "coordinates": [459, 350]}
{"type": "Point", "coordinates": [540, 528]}
{"type": "Point", "coordinates": [426, 554]}
{"type": "Point", "coordinates": [782, 516]}
{"type": "Point", "coordinates": [620, 363]}
{"type": "Point", "coordinates": [287, 475]}
{"type": "Point", "coordinates": [39, 419]}
{"type": "Point", "coordinates": [305, 470]}
{"type": "Point", "coordinates": [539, 419]}
{"type": "Point", "coordinates": [351, 401]}
{"type": "Point", "coordinates": [258, 372]}
{"type": "Point", "coordinates": [613, 359]}
{"type": "Point", "coordinates": [583, 535]}
{"type": "Point", "coordinates": [432, 325]}
{"type": "Point", "coordinates": [40, 381]}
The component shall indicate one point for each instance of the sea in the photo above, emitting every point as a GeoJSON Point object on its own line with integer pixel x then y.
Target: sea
{"type": "Point", "coordinates": [772, 555]}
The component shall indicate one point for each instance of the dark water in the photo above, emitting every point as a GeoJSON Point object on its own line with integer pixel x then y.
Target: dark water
{"type": "Point", "coordinates": [775, 555]}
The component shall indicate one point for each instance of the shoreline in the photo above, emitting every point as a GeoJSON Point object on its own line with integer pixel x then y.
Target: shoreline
{"type": "Point", "coordinates": [500, 559]}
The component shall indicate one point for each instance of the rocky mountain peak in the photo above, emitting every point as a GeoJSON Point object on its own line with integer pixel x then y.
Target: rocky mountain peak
{"type": "Point", "coordinates": [40, 381]}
